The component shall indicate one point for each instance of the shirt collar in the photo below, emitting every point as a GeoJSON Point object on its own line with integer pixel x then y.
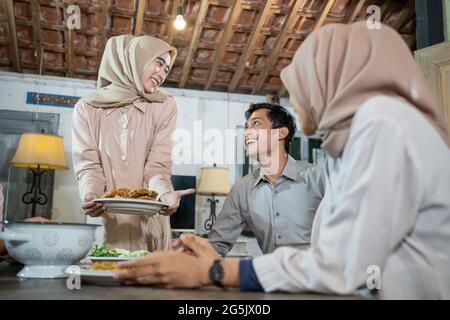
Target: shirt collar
{"type": "Point", "coordinates": [258, 176]}
{"type": "Point", "coordinates": [290, 169]}
{"type": "Point", "coordinates": [289, 172]}
{"type": "Point", "coordinates": [140, 104]}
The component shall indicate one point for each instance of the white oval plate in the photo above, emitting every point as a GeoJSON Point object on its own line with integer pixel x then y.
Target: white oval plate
{"type": "Point", "coordinates": [96, 276]}
{"type": "Point", "coordinates": [98, 259]}
{"type": "Point", "coordinates": [131, 206]}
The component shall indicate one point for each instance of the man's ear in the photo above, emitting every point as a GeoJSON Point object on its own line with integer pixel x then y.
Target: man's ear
{"type": "Point", "coordinates": [283, 132]}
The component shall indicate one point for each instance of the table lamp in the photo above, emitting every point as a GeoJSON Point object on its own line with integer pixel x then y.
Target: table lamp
{"type": "Point", "coordinates": [39, 152]}
{"type": "Point", "coordinates": [214, 181]}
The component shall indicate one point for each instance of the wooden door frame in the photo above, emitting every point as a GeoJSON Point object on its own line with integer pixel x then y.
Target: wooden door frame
{"type": "Point", "coordinates": [435, 63]}
{"type": "Point", "coordinates": [446, 6]}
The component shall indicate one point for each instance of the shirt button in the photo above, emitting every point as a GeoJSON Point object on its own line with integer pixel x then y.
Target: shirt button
{"type": "Point", "coordinates": [124, 125]}
{"type": "Point", "coordinates": [124, 158]}
{"type": "Point", "coordinates": [277, 214]}
{"type": "Point", "coordinates": [279, 237]}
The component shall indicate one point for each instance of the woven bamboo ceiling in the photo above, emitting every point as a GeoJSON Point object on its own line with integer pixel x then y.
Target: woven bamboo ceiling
{"type": "Point", "coordinates": [234, 46]}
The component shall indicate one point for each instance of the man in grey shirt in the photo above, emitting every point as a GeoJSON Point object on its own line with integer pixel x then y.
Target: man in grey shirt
{"type": "Point", "coordinates": [277, 203]}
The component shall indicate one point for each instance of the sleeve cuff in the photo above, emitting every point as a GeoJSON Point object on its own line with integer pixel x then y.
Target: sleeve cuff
{"type": "Point", "coordinates": [248, 281]}
{"type": "Point", "coordinates": [161, 184]}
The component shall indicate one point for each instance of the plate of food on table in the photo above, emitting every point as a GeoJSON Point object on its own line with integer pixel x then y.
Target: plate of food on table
{"type": "Point", "coordinates": [99, 272]}
{"type": "Point", "coordinates": [102, 253]}
{"type": "Point", "coordinates": [102, 262]}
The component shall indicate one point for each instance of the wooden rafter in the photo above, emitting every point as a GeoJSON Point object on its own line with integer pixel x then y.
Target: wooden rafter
{"type": "Point", "coordinates": [404, 15]}
{"type": "Point", "coordinates": [235, 11]}
{"type": "Point", "coordinates": [251, 42]}
{"type": "Point", "coordinates": [278, 46]}
{"type": "Point", "coordinates": [36, 14]}
{"type": "Point", "coordinates": [199, 37]}
{"type": "Point", "coordinates": [107, 4]}
{"type": "Point", "coordinates": [227, 3]}
{"type": "Point", "coordinates": [140, 17]}
{"type": "Point", "coordinates": [68, 35]}
{"type": "Point", "coordinates": [356, 11]}
{"type": "Point", "coordinates": [156, 17]}
{"type": "Point", "coordinates": [13, 34]}
{"type": "Point", "coordinates": [87, 53]}
{"type": "Point", "coordinates": [384, 9]}
{"type": "Point", "coordinates": [193, 44]}
{"type": "Point", "coordinates": [170, 32]}
{"type": "Point", "coordinates": [86, 72]}
{"type": "Point", "coordinates": [324, 14]}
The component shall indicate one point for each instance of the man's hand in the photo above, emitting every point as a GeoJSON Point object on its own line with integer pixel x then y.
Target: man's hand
{"type": "Point", "coordinates": [178, 245]}
{"type": "Point", "coordinates": [172, 199]}
{"type": "Point", "coordinates": [172, 269]}
{"type": "Point", "coordinates": [92, 209]}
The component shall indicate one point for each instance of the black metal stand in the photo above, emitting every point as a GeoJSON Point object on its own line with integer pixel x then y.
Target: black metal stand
{"type": "Point", "coordinates": [212, 215]}
{"type": "Point", "coordinates": [35, 195]}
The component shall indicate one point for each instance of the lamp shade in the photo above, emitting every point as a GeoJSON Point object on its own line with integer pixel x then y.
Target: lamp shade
{"type": "Point", "coordinates": [45, 150]}
{"type": "Point", "coordinates": [214, 180]}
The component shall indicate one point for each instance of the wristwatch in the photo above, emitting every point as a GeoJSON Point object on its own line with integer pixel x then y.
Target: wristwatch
{"type": "Point", "coordinates": [216, 273]}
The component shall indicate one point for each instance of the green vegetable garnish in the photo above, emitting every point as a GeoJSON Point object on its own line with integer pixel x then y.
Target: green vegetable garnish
{"type": "Point", "coordinates": [105, 251]}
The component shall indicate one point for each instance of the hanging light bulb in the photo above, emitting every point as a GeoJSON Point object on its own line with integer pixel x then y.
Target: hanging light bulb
{"type": "Point", "coordinates": [179, 22]}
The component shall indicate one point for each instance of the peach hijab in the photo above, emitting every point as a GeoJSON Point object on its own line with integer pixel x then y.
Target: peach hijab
{"type": "Point", "coordinates": [338, 67]}
{"type": "Point", "coordinates": [119, 77]}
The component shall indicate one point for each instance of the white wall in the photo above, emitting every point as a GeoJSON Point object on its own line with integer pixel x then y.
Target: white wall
{"type": "Point", "coordinates": [216, 110]}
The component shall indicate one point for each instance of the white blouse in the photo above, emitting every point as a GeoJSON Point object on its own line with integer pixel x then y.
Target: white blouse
{"type": "Point", "coordinates": [386, 211]}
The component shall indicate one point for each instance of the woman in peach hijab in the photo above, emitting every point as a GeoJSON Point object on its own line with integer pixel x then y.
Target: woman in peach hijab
{"type": "Point", "coordinates": [384, 222]}
{"type": "Point", "coordinates": [122, 138]}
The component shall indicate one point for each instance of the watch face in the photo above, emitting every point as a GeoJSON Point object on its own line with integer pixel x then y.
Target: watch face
{"type": "Point", "coordinates": [216, 273]}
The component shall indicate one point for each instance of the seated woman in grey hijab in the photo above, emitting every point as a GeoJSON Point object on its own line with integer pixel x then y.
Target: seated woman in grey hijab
{"type": "Point", "coordinates": [384, 222]}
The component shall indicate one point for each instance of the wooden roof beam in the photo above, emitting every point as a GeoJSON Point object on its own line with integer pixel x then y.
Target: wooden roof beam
{"type": "Point", "coordinates": [235, 11]}
{"type": "Point", "coordinates": [404, 15]}
{"type": "Point", "coordinates": [9, 6]}
{"type": "Point", "coordinates": [324, 14]}
{"type": "Point", "coordinates": [278, 46]}
{"type": "Point", "coordinates": [251, 42]}
{"type": "Point", "coordinates": [139, 17]}
{"type": "Point", "coordinates": [68, 35]}
{"type": "Point", "coordinates": [170, 32]}
{"type": "Point", "coordinates": [107, 4]}
{"type": "Point", "coordinates": [36, 16]}
{"type": "Point", "coordinates": [356, 11]}
{"type": "Point", "coordinates": [384, 9]}
{"type": "Point", "coordinates": [193, 45]}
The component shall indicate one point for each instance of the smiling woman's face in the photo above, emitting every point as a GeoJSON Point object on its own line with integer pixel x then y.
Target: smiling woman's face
{"type": "Point", "coordinates": [155, 73]}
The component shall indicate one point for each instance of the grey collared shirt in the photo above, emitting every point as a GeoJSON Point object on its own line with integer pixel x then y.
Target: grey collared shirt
{"type": "Point", "coordinates": [279, 214]}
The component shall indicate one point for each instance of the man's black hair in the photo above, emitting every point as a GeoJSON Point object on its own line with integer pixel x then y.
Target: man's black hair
{"type": "Point", "coordinates": [279, 117]}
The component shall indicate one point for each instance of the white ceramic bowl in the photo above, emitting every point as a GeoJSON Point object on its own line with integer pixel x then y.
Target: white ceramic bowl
{"type": "Point", "coordinates": [47, 248]}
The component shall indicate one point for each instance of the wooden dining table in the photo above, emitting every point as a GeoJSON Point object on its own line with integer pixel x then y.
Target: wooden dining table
{"type": "Point", "coordinates": [13, 287]}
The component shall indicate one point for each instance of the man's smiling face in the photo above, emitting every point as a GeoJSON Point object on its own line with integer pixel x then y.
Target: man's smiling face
{"type": "Point", "coordinates": [257, 134]}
